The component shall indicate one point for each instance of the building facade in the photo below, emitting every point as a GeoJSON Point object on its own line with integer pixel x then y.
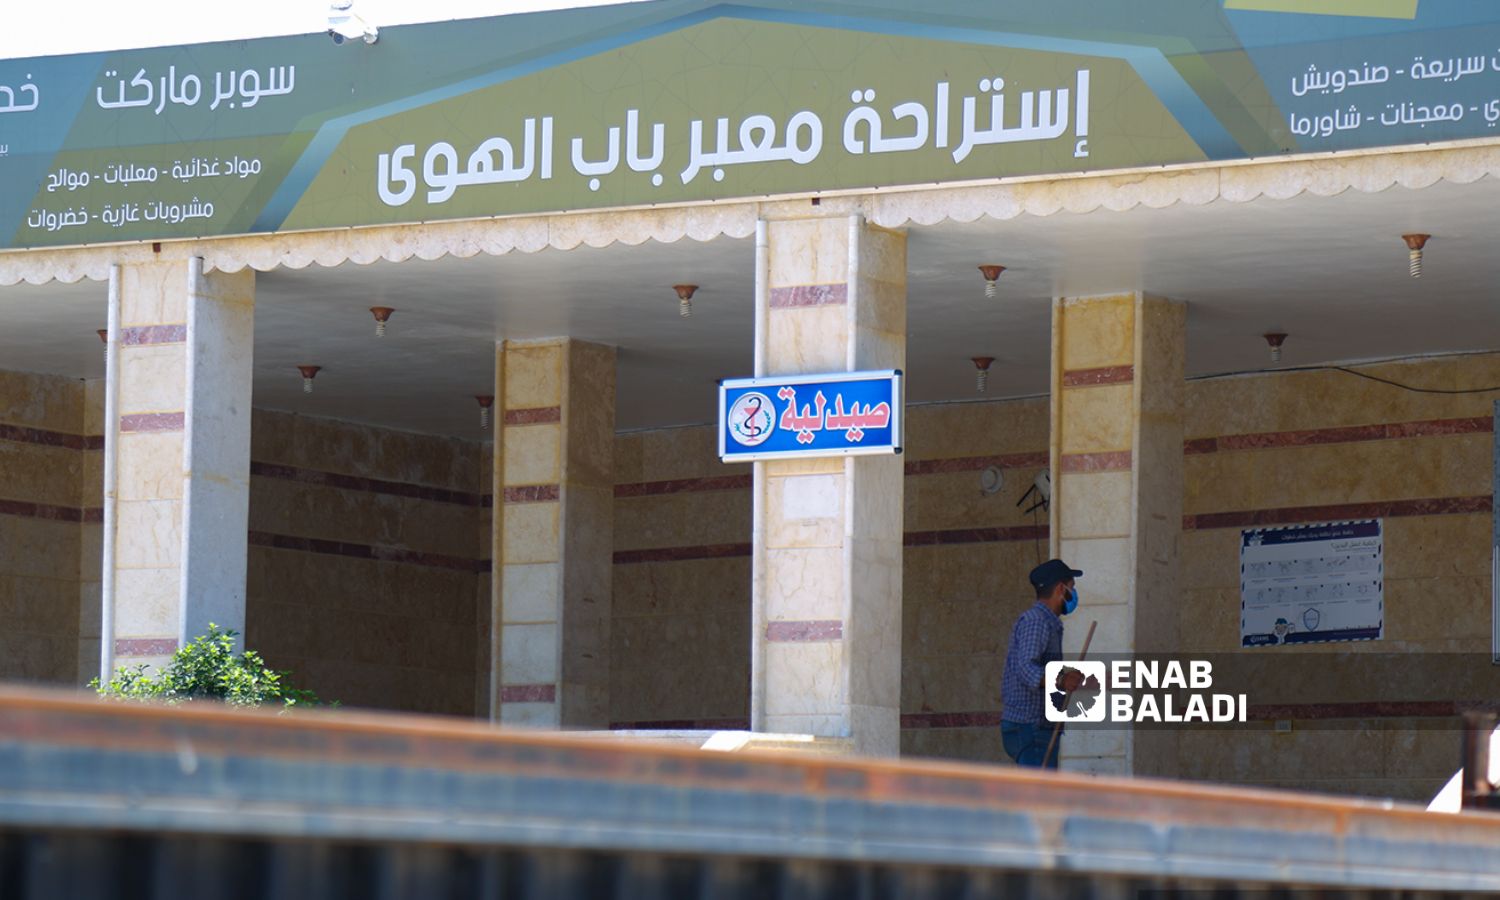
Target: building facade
{"type": "Point", "coordinates": [1245, 285]}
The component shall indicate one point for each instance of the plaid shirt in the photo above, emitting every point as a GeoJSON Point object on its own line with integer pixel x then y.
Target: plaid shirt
{"type": "Point", "coordinates": [1036, 641]}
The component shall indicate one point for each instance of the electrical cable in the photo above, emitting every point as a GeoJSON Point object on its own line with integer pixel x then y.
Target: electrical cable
{"type": "Point", "coordinates": [1407, 387]}
{"type": "Point", "coordinates": [1351, 371]}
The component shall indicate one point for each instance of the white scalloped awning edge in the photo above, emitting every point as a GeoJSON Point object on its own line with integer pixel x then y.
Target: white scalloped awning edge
{"type": "Point", "coordinates": [1324, 175]}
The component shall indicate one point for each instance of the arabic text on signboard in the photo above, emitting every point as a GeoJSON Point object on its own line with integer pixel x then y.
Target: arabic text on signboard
{"type": "Point", "coordinates": [857, 413]}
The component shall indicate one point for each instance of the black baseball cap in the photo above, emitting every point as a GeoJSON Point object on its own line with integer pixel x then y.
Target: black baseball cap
{"type": "Point", "coordinates": [1051, 572]}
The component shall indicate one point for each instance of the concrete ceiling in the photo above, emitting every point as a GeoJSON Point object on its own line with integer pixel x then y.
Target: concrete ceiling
{"type": "Point", "coordinates": [1329, 271]}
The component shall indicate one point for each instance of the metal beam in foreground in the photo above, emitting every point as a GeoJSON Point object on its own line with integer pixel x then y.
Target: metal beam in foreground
{"type": "Point", "coordinates": [109, 800]}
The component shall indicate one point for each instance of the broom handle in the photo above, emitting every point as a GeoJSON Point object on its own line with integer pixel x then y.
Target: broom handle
{"type": "Point", "coordinates": [1057, 729]}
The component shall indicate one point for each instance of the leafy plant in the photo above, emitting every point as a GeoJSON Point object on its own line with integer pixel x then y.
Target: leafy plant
{"type": "Point", "coordinates": [208, 669]}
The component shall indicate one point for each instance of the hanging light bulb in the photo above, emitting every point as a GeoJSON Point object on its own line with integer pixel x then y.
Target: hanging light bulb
{"type": "Point", "coordinates": [104, 339]}
{"type": "Point", "coordinates": [991, 275]}
{"type": "Point", "coordinates": [382, 315]}
{"type": "Point", "coordinates": [485, 402]}
{"type": "Point", "coordinates": [685, 298]}
{"type": "Point", "coordinates": [1414, 244]}
{"type": "Point", "coordinates": [308, 373]}
{"type": "Point", "coordinates": [1274, 341]}
{"type": "Point", "coordinates": [982, 372]}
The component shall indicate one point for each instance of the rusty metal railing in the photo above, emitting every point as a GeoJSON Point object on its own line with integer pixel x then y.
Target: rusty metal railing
{"type": "Point", "coordinates": [109, 800]}
{"type": "Point", "coordinates": [1478, 791]}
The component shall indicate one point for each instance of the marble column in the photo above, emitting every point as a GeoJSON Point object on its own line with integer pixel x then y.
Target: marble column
{"type": "Point", "coordinates": [553, 533]}
{"type": "Point", "coordinates": [826, 660]}
{"type": "Point", "coordinates": [1117, 409]}
{"type": "Point", "coordinates": [177, 457]}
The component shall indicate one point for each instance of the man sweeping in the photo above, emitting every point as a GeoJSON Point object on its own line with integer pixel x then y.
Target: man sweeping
{"type": "Point", "coordinates": [1035, 641]}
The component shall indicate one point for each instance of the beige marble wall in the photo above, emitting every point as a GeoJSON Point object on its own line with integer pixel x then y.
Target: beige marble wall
{"type": "Point", "coordinates": [366, 563]}
{"type": "Point", "coordinates": [962, 592]}
{"type": "Point", "coordinates": [148, 450]}
{"type": "Point", "coordinates": [395, 633]}
{"type": "Point", "coordinates": [49, 505]}
{"type": "Point", "coordinates": [1094, 424]}
{"type": "Point", "coordinates": [1117, 407]}
{"type": "Point", "coordinates": [178, 441]}
{"type": "Point", "coordinates": [1354, 448]}
{"type": "Point", "coordinates": [678, 655]}
{"type": "Point", "coordinates": [1405, 758]}
{"type": "Point", "coordinates": [680, 627]}
{"type": "Point", "coordinates": [554, 516]}
{"type": "Point", "coordinates": [826, 576]}
{"type": "Point", "coordinates": [1156, 516]}
{"type": "Point", "coordinates": [91, 533]}
{"type": "Point", "coordinates": [483, 591]}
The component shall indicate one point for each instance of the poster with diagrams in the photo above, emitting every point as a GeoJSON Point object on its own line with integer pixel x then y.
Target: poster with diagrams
{"type": "Point", "coordinates": [1303, 584]}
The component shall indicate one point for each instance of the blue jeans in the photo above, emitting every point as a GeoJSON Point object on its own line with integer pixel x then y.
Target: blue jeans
{"type": "Point", "coordinates": [1027, 743]}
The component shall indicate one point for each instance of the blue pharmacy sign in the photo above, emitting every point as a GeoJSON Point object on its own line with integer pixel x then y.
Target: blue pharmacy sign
{"type": "Point", "coordinates": [841, 414]}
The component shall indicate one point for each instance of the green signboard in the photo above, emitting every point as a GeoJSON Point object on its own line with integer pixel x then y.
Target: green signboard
{"type": "Point", "coordinates": [688, 100]}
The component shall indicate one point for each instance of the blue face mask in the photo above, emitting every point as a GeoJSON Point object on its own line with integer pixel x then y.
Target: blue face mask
{"type": "Point", "coordinates": [1070, 603]}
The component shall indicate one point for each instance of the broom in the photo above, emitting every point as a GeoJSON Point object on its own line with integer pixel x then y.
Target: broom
{"type": "Point", "coordinates": [1057, 729]}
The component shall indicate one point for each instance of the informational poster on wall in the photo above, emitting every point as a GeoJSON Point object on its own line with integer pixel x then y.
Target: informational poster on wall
{"type": "Point", "coordinates": [1303, 584]}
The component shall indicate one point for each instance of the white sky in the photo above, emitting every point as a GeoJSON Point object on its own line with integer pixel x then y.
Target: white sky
{"type": "Point", "coordinates": [49, 27]}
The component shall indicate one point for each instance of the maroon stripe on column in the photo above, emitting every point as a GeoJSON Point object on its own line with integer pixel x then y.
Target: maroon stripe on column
{"type": "Point", "coordinates": [1111, 461]}
{"type": "Point", "coordinates": [1272, 439]}
{"type": "Point", "coordinates": [1267, 440]}
{"type": "Point", "coordinates": [145, 646]}
{"type": "Point", "coordinates": [805, 295]}
{"type": "Point", "coordinates": [22, 435]}
{"type": "Point", "coordinates": [360, 483]}
{"type": "Point", "coordinates": [683, 725]}
{"type": "Point", "coordinates": [1368, 709]}
{"type": "Point", "coordinates": [977, 463]}
{"type": "Point", "coordinates": [531, 493]}
{"type": "Point", "coordinates": [974, 719]}
{"type": "Point", "coordinates": [679, 554]}
{"type": "Point", "coordinates": [1435, 427]}
{"type": "Point", "coordinates": [29, 510]}
{"type": "Point", "coordinates": [537, 415]}
{"type": "Point", "coordinates": [1246, 518]}
{"type": "Point", "coordinates": [528, 693]}
{"type": "Point", "coordinates": [994, 535]}
{"type": "Point", "coordinates": [146, 335]}
{"type": "Point", "coordinates": [744, 482]}
{"type": "Point", "coordinates": [138, 423]}
{"type": "Point", "coordinates": [92, 515]}
{"type": "Point", "coordinates": [373, 552]}
{"type": "Point", "coordinates": [805, 632]}
{"type": "Point", "coordinates": [1102, 375]}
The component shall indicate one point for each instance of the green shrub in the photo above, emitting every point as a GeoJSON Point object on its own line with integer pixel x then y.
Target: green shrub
{"type": "Point", "coordinates": [208, 669]}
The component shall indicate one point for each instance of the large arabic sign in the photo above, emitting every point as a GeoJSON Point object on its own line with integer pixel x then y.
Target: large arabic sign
{"type": "Point", "coordinates": [852, 414]}
{"type": "Point", "coordinates": [688, 100]}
